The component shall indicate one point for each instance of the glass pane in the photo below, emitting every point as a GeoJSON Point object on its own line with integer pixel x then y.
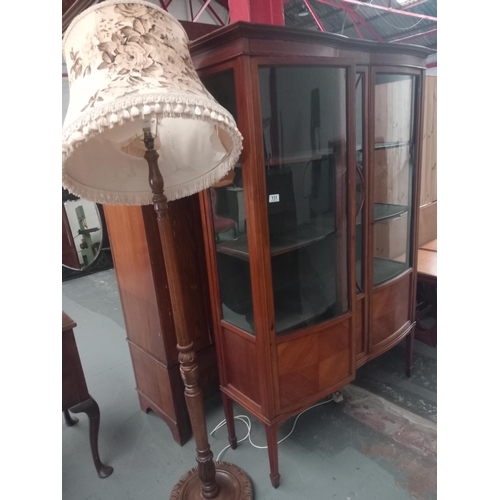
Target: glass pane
{"type": "Point", "coordinates": [393, 172]}
{"type": "Point", "coordinates": [229, 220]}
{"type": "Point", "coordinates": [360, 182]}
{"type": "Point", "coordinates": [304, 127]}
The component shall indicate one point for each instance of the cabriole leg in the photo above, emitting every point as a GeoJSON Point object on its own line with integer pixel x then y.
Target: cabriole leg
{"type": "Point", "coordinates": [90, 407]}
{"type": "Point", "coordinates": [70, 420]}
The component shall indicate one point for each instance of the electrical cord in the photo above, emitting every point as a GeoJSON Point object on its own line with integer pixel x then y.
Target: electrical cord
{"type": "Point", "coordinates": [246, 420]}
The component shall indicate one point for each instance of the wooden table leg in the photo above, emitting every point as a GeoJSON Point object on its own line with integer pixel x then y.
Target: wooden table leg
{"type": "Point", "coordinates": [410, 338]}
{"type": "Point", "coordinates": [91, 408]}
{"type": "Point", "coordinates": [272, 450]}
{"type": "Point", "coordinates": [70, 420]}
{"type": "Point", "coordinates": [229, 414]}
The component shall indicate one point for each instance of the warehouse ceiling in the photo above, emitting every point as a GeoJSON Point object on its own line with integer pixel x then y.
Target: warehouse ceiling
{"type": "Point", "coordinates": [388, 26]}
{"type": "Point", "coordinates": [367, 19]}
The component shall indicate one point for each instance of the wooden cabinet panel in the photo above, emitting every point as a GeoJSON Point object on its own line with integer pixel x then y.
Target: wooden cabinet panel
{"type": "Point", "coordinates": [241, 364]}
{"type": "Point", "coordinates": [142, 283]}
{"type": "Point", "coordinates": [391, 310]}
{"type": "Point", "coordinates": [134, 266]}
{"type": "Point", "coordinates": [427, 224]}
{"type": "Point", "coordinates": [153, 375]}
{"type": "Point", "coordinates": [428, 191]}
{"type": "Point", "coordinates": [310, 365]}
{"type": "Point", "coordinates": [359, 332]}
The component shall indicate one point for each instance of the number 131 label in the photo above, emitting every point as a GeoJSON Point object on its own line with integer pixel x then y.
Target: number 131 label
{"type": "Point", "coordinates": [274, 198]}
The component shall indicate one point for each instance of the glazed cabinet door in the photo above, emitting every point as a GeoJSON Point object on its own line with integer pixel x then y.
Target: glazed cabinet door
{"type": "Point", "coordinates": [395, 99]}
{"type": "Point", "coordinates": [361, 316]}
{"type": "Point", "coordinates": [304, 131]}
{"type": "Point", "coordinates": [305, 139]}
{"type": "Point", "coordinates": [226, 240]}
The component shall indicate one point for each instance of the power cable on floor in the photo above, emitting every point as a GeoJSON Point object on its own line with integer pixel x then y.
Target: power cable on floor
{"type": "Point", "coordinates": [246, 420]}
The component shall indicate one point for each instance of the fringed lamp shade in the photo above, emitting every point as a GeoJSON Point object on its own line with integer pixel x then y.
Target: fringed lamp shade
{"type": "Point", "coordinates": [129, 68]}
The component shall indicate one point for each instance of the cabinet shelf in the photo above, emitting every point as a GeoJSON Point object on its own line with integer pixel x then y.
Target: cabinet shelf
{"type": "Point", "coordinates": [292, 312]}
{"type": "Point", "coordinates": [388, 145]}
{"type": "Point", "coordinates": [304, 235]}
{"type": "Point", "coordinates": [288, 322]}
{"type": "Point", "coordinates": [298, 158]}
{"type": "Point", "coordinates": [385, 269]}
{"type": "Point", "coordinates": [382, 211]}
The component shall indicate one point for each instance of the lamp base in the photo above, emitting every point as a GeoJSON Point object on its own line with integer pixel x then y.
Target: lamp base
{"type": "Point", "coordinates": [233, 482]}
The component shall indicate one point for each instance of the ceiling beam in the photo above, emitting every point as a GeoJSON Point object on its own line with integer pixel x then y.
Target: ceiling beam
{"type": "Point", "coordinates": [367, 26]}
{"type": "Point", "coordinates": [349, 13]}
{"type": "Point", "coordinates": [413, 37]}
{"type": "Point", "coordinates": [200, 12]}
{"type": "Point", "coordinates": [316, 18]}
{"type": "Point", "coordinates": [354, 15]}
{"type": "Point", "coordinates": [413, 4]}
{"type": "Point", "coordinates": [388, 9]}
{"type": "Point", "coordinates": [212, 10]}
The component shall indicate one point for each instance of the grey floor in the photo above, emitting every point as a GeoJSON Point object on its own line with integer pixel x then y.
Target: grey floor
{"type": "Point", "coordinates": [377, 444]}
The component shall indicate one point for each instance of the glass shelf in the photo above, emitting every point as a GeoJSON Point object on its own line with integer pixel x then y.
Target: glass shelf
{"type": "Point", "coordinates": [388, 145]}
{"type": "Point", "coordinates": [383, 211]}
{"type": "Point", "coordinates": [304, 235]}
{"type": "Point", "coordinates": [296, 308]}
{"type": "Point", "coordinates": [298, 158]}
{"type": "Point", "coordinates": [385, 269]}
{"type": "Point", "coordinates": [393, 175]}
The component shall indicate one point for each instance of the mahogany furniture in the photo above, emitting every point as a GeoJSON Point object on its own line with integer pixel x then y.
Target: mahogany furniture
{"type": "Point", "coordinates": [427, 266]}
{"type": "Point", "coordinates": [147, 310]}
{"type": "Point", "coordinates": [321, 276]}
{"type": "Point", "coordinates": [75, 396]}
{"type": "Point", "coordinates": [427, 293]}
{"type": "Point", "coordinates": [432, 246]}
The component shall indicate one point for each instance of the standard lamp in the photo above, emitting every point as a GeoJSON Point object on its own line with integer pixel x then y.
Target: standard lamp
{"type": "Point", "coordinates": [142, 129]}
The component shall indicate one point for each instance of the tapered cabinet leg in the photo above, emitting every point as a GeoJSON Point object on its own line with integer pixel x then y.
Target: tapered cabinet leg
{"type": "Point", "coordinates": [229, 414]}
{"type": "Point", "coordinates": [410, 340]}
{"type": "Point", "coordinates": [69, 419]}
{"type": "Point", "coordinates": [91, 408]}
{"type": "Point", "coordinates": [272, 450]}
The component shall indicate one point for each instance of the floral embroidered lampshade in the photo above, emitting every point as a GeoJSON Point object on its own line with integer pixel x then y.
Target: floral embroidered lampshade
{"type": "Point", "coordinates": [129, 68]}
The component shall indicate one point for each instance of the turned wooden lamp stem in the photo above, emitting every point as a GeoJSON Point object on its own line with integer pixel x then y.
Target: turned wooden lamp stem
{"type": "Point", "coordinates": [187, 355]}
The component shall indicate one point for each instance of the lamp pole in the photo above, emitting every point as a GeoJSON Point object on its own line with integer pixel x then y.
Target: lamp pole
{"type": "Point", "coordinates": [220, 480]}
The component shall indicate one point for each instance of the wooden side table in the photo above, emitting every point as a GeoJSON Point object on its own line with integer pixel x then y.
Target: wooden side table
{"type": "Point", "coordinates": [75, 396]}
{"type": "Point", "coordinates": [427, 281]}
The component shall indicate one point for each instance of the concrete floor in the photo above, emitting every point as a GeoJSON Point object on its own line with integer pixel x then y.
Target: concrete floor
{"type": "Point", "coordinates": [378, 444]}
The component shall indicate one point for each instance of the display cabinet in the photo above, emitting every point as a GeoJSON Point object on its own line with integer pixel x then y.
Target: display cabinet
{"type": "Point", "coordinates": [310, 242]}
